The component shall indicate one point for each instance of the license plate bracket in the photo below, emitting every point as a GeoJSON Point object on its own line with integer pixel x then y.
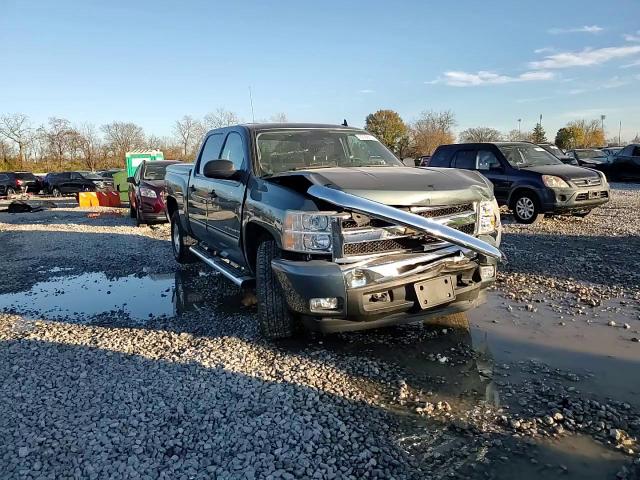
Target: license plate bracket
{"type": "Point", "coordinates": [594, 194]}
{"type": "Point", "coordinates": [435, 291]}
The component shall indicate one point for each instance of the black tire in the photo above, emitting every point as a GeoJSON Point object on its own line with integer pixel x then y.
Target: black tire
{"type": "Point", "coordinates": [10, 191]}
{"type": "Point", "coordinates": [583, 214]}
{"type": "Point", "coordinates": [526, 208]}
{"type": "Point", "coordinates": [55, 191]}
{"type": "Point", "coordinates": [132, 212]}
{"type": "Point", "coordinates": [180, 241]}
{"type": "Point", "coordinates": [139, 220]}
{"type": "Point", "coordinates": [274, 317]}
{"type": "Point", "coordinates": [456, 321]}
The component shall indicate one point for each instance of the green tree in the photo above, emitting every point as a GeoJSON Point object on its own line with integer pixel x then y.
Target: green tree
{"type": "Point", "coordinates": [564, 139]}
{"type": "Point", "coordinates": [388, 126]}
{"type": "Point", "coordinates": [538, 135]}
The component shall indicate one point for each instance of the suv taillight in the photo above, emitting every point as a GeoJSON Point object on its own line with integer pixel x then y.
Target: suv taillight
{"type": "Point", "coordinates": [19, 182]}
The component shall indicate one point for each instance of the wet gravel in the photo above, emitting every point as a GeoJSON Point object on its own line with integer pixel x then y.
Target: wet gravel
{"type": "Point", "coordinates": [196, 393]}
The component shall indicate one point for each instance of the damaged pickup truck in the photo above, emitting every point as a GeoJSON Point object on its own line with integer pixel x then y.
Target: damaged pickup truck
{"type": "Point", "coordinates": [334, 230]}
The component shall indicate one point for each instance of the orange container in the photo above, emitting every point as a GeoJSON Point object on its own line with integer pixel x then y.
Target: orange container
{"type": "Point", "coordinates": [99, 199]}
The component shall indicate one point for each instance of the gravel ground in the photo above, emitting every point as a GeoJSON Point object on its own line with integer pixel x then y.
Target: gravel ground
{"type": "Point", "coordinates": [194, 392]}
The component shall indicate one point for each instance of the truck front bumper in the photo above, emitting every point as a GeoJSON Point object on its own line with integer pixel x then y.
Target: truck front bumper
{"type": "Point", "coordinates": [391, 293]}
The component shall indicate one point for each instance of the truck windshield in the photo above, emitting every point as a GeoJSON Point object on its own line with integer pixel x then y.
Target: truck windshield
{"type": "Point", "coordinates": [526, 155]}
{"type": "Point", "coordinates": [286, 150]}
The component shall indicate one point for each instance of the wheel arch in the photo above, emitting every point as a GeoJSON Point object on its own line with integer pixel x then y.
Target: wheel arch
{"type": "Point", "coordinates": [523, 189]}
{"type": "Point", "coordinates": [254, 234]}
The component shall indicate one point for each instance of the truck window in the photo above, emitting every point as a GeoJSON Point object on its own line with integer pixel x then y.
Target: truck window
{"type": "Point", "coordinates": [234, 150]}
{"type": "Point", "coordinates": [211, 150]}
{"type": "Point", "coordinates": [439, 159]}
{"type": "Point", "coordinates": [465, 159]}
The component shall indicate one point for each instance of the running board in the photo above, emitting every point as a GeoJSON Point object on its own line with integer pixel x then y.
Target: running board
{"type": "Point", "coordinates": [220, 266]}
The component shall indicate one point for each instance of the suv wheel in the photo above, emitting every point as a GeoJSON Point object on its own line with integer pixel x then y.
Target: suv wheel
{"type": "Point", "coordinates": [276, 321]}
{"type": "Point", "coordinates": [56, 192]}
{"type": "Point", "coordinates": [180, 241]}
{"type": "Point", "coordinates": [526, 208]}
{"type": "Point", "coordinates": [10, 191]}
{"type": "Point", "coordinates": [139, 219]}
{"type": "Point", "coordinates": [132, 212]}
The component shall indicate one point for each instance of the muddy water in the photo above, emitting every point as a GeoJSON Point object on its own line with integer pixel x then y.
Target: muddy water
{"type": "Point", "coordinates": [604, 356]}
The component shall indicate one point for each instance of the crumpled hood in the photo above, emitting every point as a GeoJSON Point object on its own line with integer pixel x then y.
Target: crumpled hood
{"type": "Point", "coordinates": [403, 186]}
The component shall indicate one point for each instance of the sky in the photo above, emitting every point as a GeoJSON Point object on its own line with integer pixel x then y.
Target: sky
{"type": "Point", "coordinates": [491, 63]}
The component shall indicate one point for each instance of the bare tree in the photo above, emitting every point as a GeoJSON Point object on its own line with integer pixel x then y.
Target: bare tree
{"type": "Point", "coordinates": [280, 117]}
{"type": "Point", "coordinates": [58, 136]}
{"type": "Point", "coordinates": [431, 130]}
{"type": "Point", "coordinates": [188, 130]}
{"type": "Point", "coordinates": [220, 118]}
{"type": "Point", "coordinates": [87, 141]}
{"type": "Point", "coordinates": [120, 137]}
{"type": "Point", "coordinates": [16, 128]}
{"type": "Point", "coordinates": [480, 134]}
{"type": "Point", "coordinates": [518, 136]}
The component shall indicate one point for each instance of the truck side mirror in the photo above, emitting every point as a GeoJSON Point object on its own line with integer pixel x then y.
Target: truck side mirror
{"type": "Point", "coordinates": [223, 169]}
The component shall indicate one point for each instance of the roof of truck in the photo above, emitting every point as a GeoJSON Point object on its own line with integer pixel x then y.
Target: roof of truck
{"type": "Point", "coordinates": [266, 126]}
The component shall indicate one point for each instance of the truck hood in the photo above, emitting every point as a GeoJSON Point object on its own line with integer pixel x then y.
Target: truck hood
{"type": "Point", "coordinates": [403, 186]}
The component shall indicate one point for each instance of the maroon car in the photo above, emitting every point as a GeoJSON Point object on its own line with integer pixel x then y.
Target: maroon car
{"type": "Point", "coordinates": [146, 191]}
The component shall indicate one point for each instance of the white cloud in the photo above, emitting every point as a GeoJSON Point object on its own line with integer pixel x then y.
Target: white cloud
{"type": "Point", "coordinates": [544, 50]}
{"type": "Point", "coordinates": [586, 57]}
{"type": "Point", "coordinates": [366, 90]}
{"type": "Point", "coordinates": [632, 64]}
{"type": "Point", "coordinates": [615, 82]}
{"type": "Point", "coordinates": [583, 29]}
{"type": "Point", "coordinates": [466, 79]}
{"type": "Point", "coordinates": [632, 37]}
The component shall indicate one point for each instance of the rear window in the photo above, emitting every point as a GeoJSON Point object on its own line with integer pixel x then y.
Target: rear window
{"type": "Point", "coordinates": [155, 171]}
{"type": "Point", "coordinates": [25, 176]}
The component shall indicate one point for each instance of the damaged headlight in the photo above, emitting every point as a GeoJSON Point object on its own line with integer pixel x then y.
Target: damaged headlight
{"type": "Point", "coordinates": [307, 232]}
{"type": "Point", "coordinates": [488, 216]}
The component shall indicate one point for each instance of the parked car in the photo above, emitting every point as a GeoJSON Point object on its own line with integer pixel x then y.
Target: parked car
{"type": "Point", "coordinates": [62, 183]}
{"type": "Point", "coordinates": [611, 151]}
{"type": "Point", "coordinates": [527, 178]}
{"type": "Point", "coordinates": [16, 182]}
{"type": "Point", "coordinates": [625, 165]}
{"type": "Point", "coordinates": [423, 161]}
{"type": "Point", "coordinates": [334, 230]}
{"type": "Point", "coordinates": [558, 153]}
{"type": "Point", "coordinates": [590, 157]}
{"type": "Point", "coordinates": [109, 173]}
{"type": "Point", "coordinates": [147, 192]}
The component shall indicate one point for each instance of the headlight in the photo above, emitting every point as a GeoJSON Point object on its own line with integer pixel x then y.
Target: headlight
{"type": "Point", "coordinates": [148, 192]}
{"type": "Point", "coordinates": [307, 232]}
{"type": "Point", "coordinates": [489, 214]}
{"type": "Point", "coordinates": [552, 181]}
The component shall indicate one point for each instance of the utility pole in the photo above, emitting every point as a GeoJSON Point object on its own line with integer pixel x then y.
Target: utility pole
{"type": "Point", "coordinates": [253, 115]}
{"type": "Point", "coordinates": [519, 132]}
{"type": "Point", "coordinates": [602, 117]}
{"type": "Point", "coordinates": [540, 123]}
{"type": "Point", "coordinates": [620, 134]}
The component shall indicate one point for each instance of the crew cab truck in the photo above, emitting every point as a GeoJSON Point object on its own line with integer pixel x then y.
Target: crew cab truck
{"type": "Point", "coordinates": [332, 229]}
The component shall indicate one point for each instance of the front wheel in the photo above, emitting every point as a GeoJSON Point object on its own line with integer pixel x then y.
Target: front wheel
{"type": "Point", "coordinates": [10, 191]}
{"type": "Point", "coordinates": [56, 192]}
{"type": "Point", "coordinates": [526, 208]}
{"type": "Point", "coordinates": [180, 241]}
{"type": "Point", "coordinates": [276, 321]}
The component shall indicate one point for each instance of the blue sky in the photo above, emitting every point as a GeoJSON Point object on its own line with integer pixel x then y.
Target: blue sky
{"type": "Point", "coordinates": [489, 62]}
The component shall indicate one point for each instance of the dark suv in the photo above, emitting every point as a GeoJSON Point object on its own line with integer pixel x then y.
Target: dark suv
{"type": "Point", "coordinates": [61, 183]}
{"type": "Point", "coordinates": [16, 182]}
{"type": "Point", "coordinates": [527, 178]}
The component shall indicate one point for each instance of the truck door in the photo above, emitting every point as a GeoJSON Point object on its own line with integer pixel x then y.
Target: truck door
{"type": "Point", "coordinates": [226, 198]}
{"type": "Point", "coordinates": [200, 187]}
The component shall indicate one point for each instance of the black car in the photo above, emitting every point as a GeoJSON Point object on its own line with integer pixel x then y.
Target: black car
{"type": "Point", "coordinates": [590, 157]}
{"type": "Point", "coordinates": [16, 182]}
{"type": "Point", "coordinates": [625, 165]}
{"type": "Point", "coordinates": [527, 178]}
{"type": "Point", "coordinates": [62, 183]}
{"type": "Point", "coordinates": [558, 153]}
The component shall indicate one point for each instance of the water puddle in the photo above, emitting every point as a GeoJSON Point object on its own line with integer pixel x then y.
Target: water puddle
{"type": "Point", "coordinates": [80, 298]}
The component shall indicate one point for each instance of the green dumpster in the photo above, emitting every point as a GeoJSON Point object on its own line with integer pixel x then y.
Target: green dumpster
{"type": "Point", "coordinates": [121, 185]}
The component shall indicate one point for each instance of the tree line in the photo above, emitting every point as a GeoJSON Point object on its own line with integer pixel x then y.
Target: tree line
{"type": "Point", "coordinates": [61, 145]}
{"type": "Point", "coordinates": [432, 128]}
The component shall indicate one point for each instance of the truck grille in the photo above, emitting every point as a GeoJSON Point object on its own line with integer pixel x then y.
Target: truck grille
{"type": "Point", "coordinates": [429, 212]}
{"type": "Point", "coordinates": [389, 245]}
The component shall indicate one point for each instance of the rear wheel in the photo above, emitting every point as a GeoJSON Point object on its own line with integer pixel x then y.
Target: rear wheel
{"type": "Point", "coordinates": [10, 191]}
{"type": "Point", "coordinates": [276, 321]}
{"type": "Point", "coordinates": [526, 208]}
{"type": "Point", "coordinates": [180, 241]}
{"type": "Point", "coordinates": [56, 192]}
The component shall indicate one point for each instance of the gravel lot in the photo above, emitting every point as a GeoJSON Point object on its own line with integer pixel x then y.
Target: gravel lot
{"type": "Point", "coordinates": [115, 363]}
